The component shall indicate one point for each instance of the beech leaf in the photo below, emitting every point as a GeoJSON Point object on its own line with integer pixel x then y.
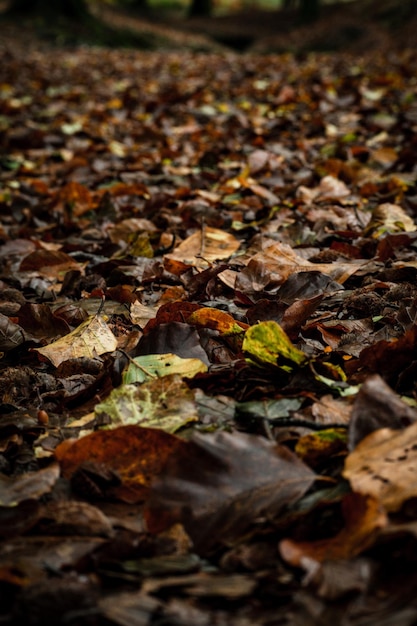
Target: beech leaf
{"type": "Point", "coordinates": [218, 485]}
{"type": "Point", "coordinates": [136, 455]}
{"type": "Point", "coordinates": [383, 465]}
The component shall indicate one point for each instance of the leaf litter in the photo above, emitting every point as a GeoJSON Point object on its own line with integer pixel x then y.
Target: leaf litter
{"type": "Point", "coordinates": [207, 335]}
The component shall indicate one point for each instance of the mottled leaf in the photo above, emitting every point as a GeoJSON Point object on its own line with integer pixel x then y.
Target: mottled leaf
{"type": "Point", "coordinates": [166, 403]}
{"type": "Point", "coordinates": [93, 337]}
{"type": "Point", "coordinates": [267, 344]}
{"type": "Point", "coordinates": [136, 455]}
{"type": "Point", "coordinates": [383, 465]}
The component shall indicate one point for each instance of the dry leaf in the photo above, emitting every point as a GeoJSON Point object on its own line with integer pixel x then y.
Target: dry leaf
{"type": "Point", "coordinates": [207, 245]}
{"type": "Point", "coordinates": [92, 338]}
{"type": "Point", "coordinates": [383, 465]}
{"type": "Point", "coordinates": [136, 455]}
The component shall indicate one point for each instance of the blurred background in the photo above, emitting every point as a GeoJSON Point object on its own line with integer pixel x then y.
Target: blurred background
{"type": "Point", "coordinates": [242, 25]}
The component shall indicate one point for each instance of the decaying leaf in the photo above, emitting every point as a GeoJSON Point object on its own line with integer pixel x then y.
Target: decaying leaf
{"type": "Point", "coordinates": [92, 338]}
{"type": "Point", "coordinates": [204, 202]}
{"type": "Point", "coordinates": [166, 403]}
{"type": "Point", "coordinates": [219, 485]}
{"type": "Point", "coordinates": [207, 245]}
{"type": "Point", "coordinates": [266, 343]}
{"type": "Point", "coordinates": [363, 516]}
{"type": "Point", "coordinates": [383, 465]}
{"type": "Point", "coordinates": [146, 367]}
{"type": "Point", "coordinates": [136, 455]}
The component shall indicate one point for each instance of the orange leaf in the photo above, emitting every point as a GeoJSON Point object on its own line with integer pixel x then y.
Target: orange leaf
{"type": "Point", "coordinates": [217, 320]}
{"type": "Point", "coordinates": [136, 455]}
{"type": "Point", "coordinates": [364, 516]}
{"type": "Point", "coordinates": [77, 196]}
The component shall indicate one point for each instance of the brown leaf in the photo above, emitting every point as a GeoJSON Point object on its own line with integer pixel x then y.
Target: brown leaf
{"type": "Point", "coordinates": [76, 518]}
{"type": "Point", "coordinates": [383, 466]}
{"type": "Point", "coordinates": [93, 337]}
{"type": "Point", "coordinates": [136, 455]}
{"type": "Point", "coordinates": [217, 320]}
{"type": "Point", "coordinates": [11, 334]}
{"type": "Point", "coordinates": [377, 406]}
{"type": "Point", "coordinates": [389, 358]}
{"type": "Point", "coordinates": [29, 486]}
{"type": "Point", "coordinates": [180, 339]}
{"type": "Point", "coordinates": [77, 197]}
{"type": "Point", "coordinates": [218, 485]}
{"type": "Point", "coordinates": [363, 517]}
{"type": "Point", "coordinates": [51, 263]}
{"type": "Point", "coordinates": [209, 245]}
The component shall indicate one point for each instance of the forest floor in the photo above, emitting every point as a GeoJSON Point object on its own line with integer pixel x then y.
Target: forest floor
{"type": "Point", "coordinates": [208, 335]}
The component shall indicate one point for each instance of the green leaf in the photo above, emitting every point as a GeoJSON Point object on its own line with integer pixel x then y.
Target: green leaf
{"type": "Point", "coordinates": [267, 343]}
{"type": "Point", "coordinates": [149, 366]}
{"type": "Point", "coordinates": [166, 403]}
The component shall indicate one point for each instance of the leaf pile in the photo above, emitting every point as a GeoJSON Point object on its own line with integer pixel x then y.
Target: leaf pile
{"type": "Point", "coordinates": [208, 338]}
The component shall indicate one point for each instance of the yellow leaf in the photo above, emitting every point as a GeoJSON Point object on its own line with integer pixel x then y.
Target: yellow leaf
{"type": "Point", "coordinates": [266, 343]}
{"type": "Point", "coordinates": [217, 320]}
{"type": "Point", "coordinates": [92, 338]}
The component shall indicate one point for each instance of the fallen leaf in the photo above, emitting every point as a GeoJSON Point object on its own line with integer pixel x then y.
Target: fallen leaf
{"type": "Point", "coordinates": [205, 246]}
{"type": "Point", "coordinates": [363, 516]}
{"type": "Point", "coordinates": [166, 403]}
{"type": "Point", "coordinates": [29, 486]}
{"type": "Point", "coordinates": [136, 455]}
{"type": "Point", "coordinates": [92, 338]}
{"type": "Point", "coordinates": [217, 320]}
{"type": "Point", "coordinates": [267, 343]}
{"type": "Point", "coordinates": [219, 485]}
{"type": "Point", "coordinates": [383, 466]}
{"type": "Point", "coordinates": [389, 218]}
{"type": "Point", "coordinates": [51, 263]}
{"type": "Point", "coordinates": [377, 406]}
{"type": "Point", "coordinates": [150, 366]}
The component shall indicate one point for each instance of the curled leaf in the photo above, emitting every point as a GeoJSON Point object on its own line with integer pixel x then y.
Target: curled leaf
{"type": "Point", "coordinates": [268, 344]}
